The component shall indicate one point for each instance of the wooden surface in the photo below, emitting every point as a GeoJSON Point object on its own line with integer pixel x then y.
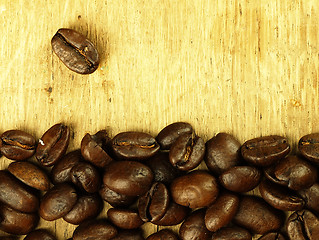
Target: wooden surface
{"type": "Point", "coordinates": [249, 68]}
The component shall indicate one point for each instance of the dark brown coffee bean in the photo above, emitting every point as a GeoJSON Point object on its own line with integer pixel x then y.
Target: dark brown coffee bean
{"type": "Point", "coordinates": [309, 147]}
{"type": "Point", "coordinates": [99, 229]}
{"type": "Point", "coordinates": [174, 215]}
{"type": "Point", "coordinates": [16, 194]}
{"type": "Point", "coordinates": [17, 145]}
{"type": "Point", "coordinates": [257, 216]}
{"type": "Point", "coordinates": [86, 176]}
{"type": "Point", "coordinates": [303, 225]}
{"type": "Point", "coordinates": [164, 234]}
{"type": "Point", "coordinates": [222, 153]}
{"type": "Point", "coordinates": [61, 170]}
{"type": "Point", "coordinates": [194, 227]}
{"type": "Point", "coordinates": [94, 148]}
{"type": "Point", "coordinates": [187, 152]}
{"type": "Point", "coordinates": [311, 197]}
{"type": "Point", "coordinates": [87, 207]}
{"type": "Point", "coordinates": [115, 199]}
{"type": "Point", "coordinates": [52, 145]}
{"type": "Point", "coordinates": [153, 205]}
{"type": "Point", "coordinates": [272, 236]}
{"type": "Point", "coordinates": [16, 222]}
{"type": "Point", "coordinates": [232, 233]}
{"type": "Point", "coordinates": [168, 135]}
{"type": "Point", "coordinates": [264, 151]}
{"type": "Point", "coordinates": [30, 175]}
{"type": "Point", "coordinates": [240, 178]}
{"type": "Point", "coordinates": [196, 189]}
{"type": "Point", "coordinates": [222, 211]}
{"type": "Point", "coordinates": [132, 234]}
{"type": "Point", "coordinates": [75, 51]}
{"type": "Point", "coordinates": [280, 197]}
{"type": "Point", "coordinates": [57, 202]}
{"type": "Point", "coordinates": [40, 234]}
{"type": "Point", "coordinates": [128, 177]}
{"type": "Point", "coordinates": [134, 145]}
{"type": "Point", "coordinates": [124, 218]}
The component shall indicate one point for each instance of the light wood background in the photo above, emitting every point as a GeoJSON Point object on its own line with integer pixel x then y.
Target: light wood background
{"type": "Point", "coordinates": [249, 68]}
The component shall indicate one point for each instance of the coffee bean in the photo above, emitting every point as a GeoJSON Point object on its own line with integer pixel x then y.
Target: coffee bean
{"type": "Point", "coordinates": [39, 234]}
{"type": "Point", "coordinates": [264, 151]}
{"type": "Point", "coordinates": [222, 153]}
{"type": "Point", "coordinates": [308, 147]}
{"type": "Point", "coordinates": [231, 233]}
{"type": "Point", "coordinates": [17, 145]}
{"type": "Point", "coordinates": [134, 145]}
{"type": "Point", "coordinates": [272, 236]}
{"type": "Point", "coordinates": [75, 51]}
{"type": "Point", "coordinates": [132, 234]}
{"type": "Point", "coordinates": [124, 218]}
{"type": "Point", "coordinates": [174, 215]}
{"type": "Point", "coordinates": [115, 199]}
{"type": "Point", "coordinates": [168, 135]}
{"type": "Point", "coordinates": [52, 145]}
{"type": "Point", "coordinates": [311, 197]}
{"type": "Point", "coordinates": [187, 152]}
{"type": "Point", "coordinates": [166, 234]}
{"type": "Point", "coordinates": [99, 229]}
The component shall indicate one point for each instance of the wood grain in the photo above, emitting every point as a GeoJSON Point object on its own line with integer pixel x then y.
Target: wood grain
{"type": "Point", "coordinates": [249, 68]}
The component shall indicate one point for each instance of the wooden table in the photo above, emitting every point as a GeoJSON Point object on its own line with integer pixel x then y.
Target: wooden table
{"type": "Point", "coordinates": [249, 68]}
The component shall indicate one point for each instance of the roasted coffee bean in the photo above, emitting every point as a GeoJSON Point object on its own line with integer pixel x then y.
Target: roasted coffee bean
{"type": "Point", "coordinates": [240, 178]}
{"type": "Point", "coordinates": [94, 148]}
{"type": "Point", "coordinates": [115, 199]}
{"type": "Point", "coordinates": [134, 145]}
{"type": "Point", "coordinates": [194, 227]}
{"type": "Point", "coordinates": [309, 147]}
{"type": "Point", "coordinates": [222, 153]}
{"type": "Point", "coordinates": [86, 176]}
{"type": "Point", "coordinates": [231, 233]}
{"type": "Point", "coordinates": [52, 145]}
{"type": "Point", "coordinates": [153, 205]}
{"type": "Point", "coordinates": [40, 234]}
{"type": "Point", "coordinates": [257, 216]}
{"type": "Point", "coordinates": [128, 177]}
{"type": "Point", "coordinates": [16, 194]}
{"type": "Point", "coordinates": [75, 51]}
{"type": "Point", "coordinates": [87, 207]}
{"type": "Point", "coordinates": [174, 215]}
{"type": "Point", "coordinates": [57, 202]}
{"type": "Point", "coordinates": [168, 135]}
{"type": "Point", "coordinates": [16, 222]}
{"type": "Point", "coordinates": [222, 211]}
{"type": "Point", "coordinates": [303, 225]}
{"type": "Point", "coordinates": [17, 145]}
{"type": "Point", "coordinates": [124, 218]}
{"type": "Point", "coordinates": [164, 234]}
{"type": "Point", "coordinates": [280, 197]}
{"type": "Point", "coordinates": [187, 152]}
{"type": "Point", "coordinates": [30, 175]}
{"type": "Point", "coordinates": [61, 170]}
{"type": "Point", "coordinates": [272, 236]}
{"type": "Point", "coordinates": [196, 189]}
{"type": "Point", "coordinates": [132, 234]}
{"type": "Point", "coordinates": [99, 229]}
{"type": "Point", "coordinates": [264, 151]}
{"type": "Point", "coordinates": [311, 197]}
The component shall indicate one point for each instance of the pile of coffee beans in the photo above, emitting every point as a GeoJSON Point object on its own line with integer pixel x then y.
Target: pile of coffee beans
{"type": "Point", "coordinates": [157, 180]}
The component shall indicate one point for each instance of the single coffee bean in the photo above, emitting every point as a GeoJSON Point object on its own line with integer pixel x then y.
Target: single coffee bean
{"type": "Point", "coordinates": [166, 234]}
{"type": "Point", "coordinates": [196, 189]}
{"type": "Point", "coordinates": [168, 135]}
{"type": "Point", "coordinates": [231, 233]}
{"type": "Point", "coordinates": [16, 194]}
{"type": "Point", "coordinates": [94, 148]}
{"type": "Point", "coordinates": [264, 151]}
{"type": "Point", "coordinates": [115, 199]}
{"type": "Point", "coordinates": [61, 170]}
{"type": "Point", "coordinates": [240, 178]}
{"type": "Point", "coordinates": [131, 234]}
{"type": "Point", "coordinates": [124, 218]}
{"type": "Point", "coordinates": [153, 205]}
{"type": "Point", "coordinates": [257, 216]}
{"type": "Point", "coordinates": [97, 229]}
{"type": "Point", "coordinates": [303, 225]}
{"type": "Point", "coordinates": [75, 51]}
{"type": "Point", "coordinates": [86, 176]}
{"type": "Point", "coordinates": [311, 197]}
{"type": "Point", "coordinates": [128, 177]}
{"type": "Point", "coordinates": [222, 211]}
{"type": "Point", "coordinates": [187, 152]}
{"type": "Point", "coordinates": [57, 202]}
{"type": "Point", "coordinates": [272, 236]}
{"type": "Point", "coordinates": [30, 174]}
{"type": "Point", "coordinates": [40, 234]}
{"type": "Point", "coordinates": [308, 147]}
{"type": "Point", "coordinates": [134, 145]}
{"type": "Point", "coordinates": [16, 222]}
{"type": "Point", "coordinates": [222, 153]}
{"type": "Point", "coordinates": [87, 207]}
{"type": "Point", "coordinates": [194, 227]}
{"type": "Point", "coordinates": [280, 197]}
{"type": "Point", "coordinates": [174, 215]}
{"type": "Point", "coordinates": [52, 145]}
{"type": "Point", "coordinates": [17, 145]}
